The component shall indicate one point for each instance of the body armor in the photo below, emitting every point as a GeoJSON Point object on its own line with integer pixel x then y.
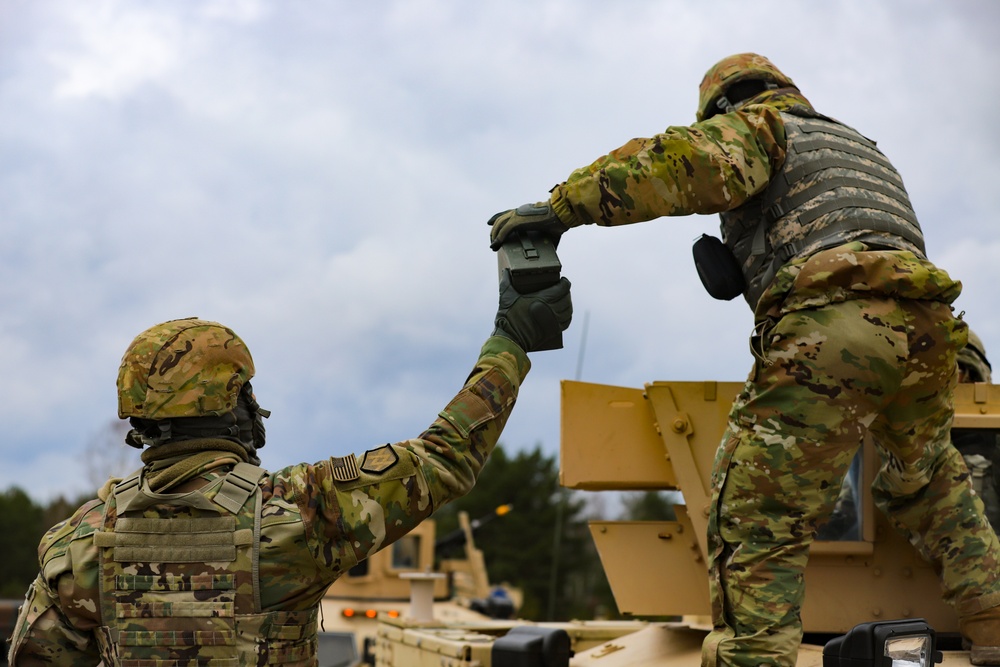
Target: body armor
{"type": "Point", "coordinates": [180, 580]}
{"type": "Point", "coordinates": [834, 187]}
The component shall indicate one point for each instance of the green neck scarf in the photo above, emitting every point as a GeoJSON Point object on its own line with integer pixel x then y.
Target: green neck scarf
{"type": "Point", "coordinates": [172, 463]}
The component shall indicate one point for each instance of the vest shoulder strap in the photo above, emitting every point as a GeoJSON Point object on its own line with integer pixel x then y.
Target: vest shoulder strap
{"type": "Point", "coordinates": [238, 485]}
{"type": "Point", "coordinates": [127, 489]}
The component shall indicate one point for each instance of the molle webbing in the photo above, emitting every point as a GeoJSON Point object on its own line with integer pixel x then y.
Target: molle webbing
{"type": "Point", "coordinates": [778, 203]}
{"type": "Point", "coordinates": [839, 203]}
{"type": "Point", "coordinates": [876, 208]}
{"type": "Point", "coordinates": [826, 238]}
{"type": "Point", "coordinates": [175, 540]}
{"type": "Point", "coordinates": [237, 486]}
{"type": "Point", "coordinates": [790, 203]}
{"type": "Point", "coordinates": [179, 573]}
{"type": "Point", "coordinates": [866, 151]}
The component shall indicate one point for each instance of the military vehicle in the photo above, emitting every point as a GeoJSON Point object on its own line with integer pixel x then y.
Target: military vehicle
{"type": "Point", "coordinates": [872, 586]}
{"type": "Point", "coordinates": [384, 586]}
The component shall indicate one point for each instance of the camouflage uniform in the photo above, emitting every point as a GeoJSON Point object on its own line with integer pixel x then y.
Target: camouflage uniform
{"type": "Point", "coordinates": [854, 332]}
{"type": "Point", "coordinates": [316, 522]}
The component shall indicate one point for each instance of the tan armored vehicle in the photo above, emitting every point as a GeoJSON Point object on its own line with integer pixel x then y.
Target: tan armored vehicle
{"type": "Point", "coordinates": [403, 582]}
{"type": "Point", "coordinates": [664, 436]}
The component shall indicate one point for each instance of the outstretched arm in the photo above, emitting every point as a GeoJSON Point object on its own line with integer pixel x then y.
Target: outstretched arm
{"type": "Point", "coordinates": [708, 167]}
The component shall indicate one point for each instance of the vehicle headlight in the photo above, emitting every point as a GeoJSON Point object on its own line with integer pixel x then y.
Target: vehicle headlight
{"type": "Point", "coordinates": [905, 643]}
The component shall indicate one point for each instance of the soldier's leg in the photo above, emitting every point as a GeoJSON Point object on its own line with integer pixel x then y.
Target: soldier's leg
{"type": "Point", "coordinates": [792, 435]}
{"type": "Point", "coordinates": [923, 486]}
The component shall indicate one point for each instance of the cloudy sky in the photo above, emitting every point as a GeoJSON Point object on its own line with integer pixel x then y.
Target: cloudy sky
{"type": "Point", "coordinates": [318, 175]}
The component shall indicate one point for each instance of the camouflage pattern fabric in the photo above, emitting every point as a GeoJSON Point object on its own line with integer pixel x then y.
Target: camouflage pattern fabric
{"type": "Point", "coordinates": [843, 350]}
{"type": "Point", "coordinates": [820, 335]}
{"type": "Point", "coordinates": [731, 70]}
{"type": "Point", "coordinates": [980, 449]}
{"type": "Point", "coordinates": [708, 167]}
{"type": "Point", "coordinates": [178, 579]}
{"type": "Point", "coordinates": [183, 368]}
{"type": "Point", "coordinates": [317, 520]}
{"type": "Point", "coordinates": [834, 186]}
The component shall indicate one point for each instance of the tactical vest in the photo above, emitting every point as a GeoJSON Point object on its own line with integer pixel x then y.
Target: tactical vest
{"type": "Point", "coordinates": [834, 187]}
{"type": "Point", "coordinates": [180, 582]}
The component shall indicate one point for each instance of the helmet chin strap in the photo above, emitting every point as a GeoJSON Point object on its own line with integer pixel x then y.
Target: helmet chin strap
{"type": "Point", "coordinates": [141, 436]}
{"type": "Point", "coordinates": [723, 104]}
{"type": "Point", "coordinates": [244, 426]}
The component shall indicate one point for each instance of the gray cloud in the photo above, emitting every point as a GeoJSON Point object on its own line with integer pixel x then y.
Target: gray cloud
{"type": "Point", "coordinates": [317, 175]}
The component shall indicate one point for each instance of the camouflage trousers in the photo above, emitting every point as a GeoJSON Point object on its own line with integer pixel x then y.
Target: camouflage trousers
{"type": "Point", "coordinates": [824, 377]}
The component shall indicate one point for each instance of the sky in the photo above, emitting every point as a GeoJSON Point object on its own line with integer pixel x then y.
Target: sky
{"type": "Point", "coordinates": [318, 176]}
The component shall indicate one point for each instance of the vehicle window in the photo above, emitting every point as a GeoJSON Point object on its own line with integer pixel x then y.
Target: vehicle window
{"type": "Point", "coordinates": [406, 553]}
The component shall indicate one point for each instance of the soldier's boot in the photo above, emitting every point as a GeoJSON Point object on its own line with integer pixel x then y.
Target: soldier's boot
{"type": "Point", "coordinates": [982, 631]}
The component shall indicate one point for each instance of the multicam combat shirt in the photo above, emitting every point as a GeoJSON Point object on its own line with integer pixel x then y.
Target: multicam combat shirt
{"type": "Point", "coordinates": [317, 520]}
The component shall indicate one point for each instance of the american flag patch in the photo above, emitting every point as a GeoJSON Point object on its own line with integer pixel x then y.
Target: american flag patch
{"type": "Point", "coordinates": [345, 468]}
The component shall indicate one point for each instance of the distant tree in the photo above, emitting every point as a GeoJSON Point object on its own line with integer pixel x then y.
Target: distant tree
{"type": "Point", "coordinates": [22, 524]}
{"type": "Point", "coordinates": [62, 508]}
{"type": "Point", "coordinates": [21, 527]}
{"type": "Point", "coordinates": [520, 548]}
{"type": "Point", "coordinates": [650, 505]}
{"type": "Point", "coordinates": [106, 454]}
{"type": "Point", "coordinates": [23, 521]}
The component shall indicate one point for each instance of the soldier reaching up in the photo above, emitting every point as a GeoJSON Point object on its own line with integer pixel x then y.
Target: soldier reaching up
{"type": "Point", "coordinates": [202, 557]}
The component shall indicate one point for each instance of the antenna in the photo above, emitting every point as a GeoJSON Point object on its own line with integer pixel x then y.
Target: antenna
{"type": "Point", "coordinates": [583, 345]}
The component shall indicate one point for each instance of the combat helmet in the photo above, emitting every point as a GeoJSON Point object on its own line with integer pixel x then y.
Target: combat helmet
{"type": "Point", "coordinates": [723, 75]}
{"type": "Point", "coordinates": [973, 362]}
{"type": "Point", "coordinates": [183, 368]}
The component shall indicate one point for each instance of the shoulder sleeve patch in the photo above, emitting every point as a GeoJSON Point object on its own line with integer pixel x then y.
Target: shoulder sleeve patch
{"type": "Point", "coordinates": [345, 468]}
{"type": "Point", "coordinates": [379, 460]}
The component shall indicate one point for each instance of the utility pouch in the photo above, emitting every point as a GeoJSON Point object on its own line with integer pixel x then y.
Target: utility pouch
{"type": "Point", "coordinates": [718, 269]}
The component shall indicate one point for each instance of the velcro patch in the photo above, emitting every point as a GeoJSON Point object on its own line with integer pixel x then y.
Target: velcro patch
{"type": "Point", "coordinates": [379, 460]}
{"type": "Point", "coordinates": [345, 468]}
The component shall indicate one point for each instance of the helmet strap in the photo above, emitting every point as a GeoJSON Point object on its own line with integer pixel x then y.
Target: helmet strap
{"type": "Point", "coordinates": [243, 427]}
{"type": "Point", "coordinates": [145, 433]}
{"type": "Point", "coordinates": [724, 105]}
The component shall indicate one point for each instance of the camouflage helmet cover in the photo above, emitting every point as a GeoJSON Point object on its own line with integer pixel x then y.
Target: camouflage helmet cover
{"type": "Point", "coordinates": [973, 361]}
{"type": "Point", "coordinates": [183, 368]}
{"type": "Point", "coordinates": [731, 70]}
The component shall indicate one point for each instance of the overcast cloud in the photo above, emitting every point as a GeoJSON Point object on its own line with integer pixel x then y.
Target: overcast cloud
{"type": "Point", "coordinates": [318, 176]}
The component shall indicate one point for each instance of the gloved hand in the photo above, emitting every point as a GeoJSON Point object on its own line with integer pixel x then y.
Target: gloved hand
{"type": "Point", "coordinates": [532, 319]}
{"type": "Point", "coordinates": [526, 218]}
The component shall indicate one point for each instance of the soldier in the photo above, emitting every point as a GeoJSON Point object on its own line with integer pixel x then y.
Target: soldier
{"type": "Point", "coordinates": [853, 331]}
{"type": "Point", "coordinates": [980, 447]}
{"type": "Point", "coordinates": [973, 364]}
{"type": "Point", "coordinates": [202, 557]}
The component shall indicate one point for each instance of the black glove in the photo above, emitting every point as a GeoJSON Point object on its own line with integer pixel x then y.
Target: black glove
{"type": "Point", "coordinates": [532, 319]}
{"type": "Point", "coordinates": [526, 218]}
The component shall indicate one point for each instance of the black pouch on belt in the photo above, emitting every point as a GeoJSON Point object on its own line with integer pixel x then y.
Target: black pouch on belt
{"type": "Point", "coordinates": [718, 269]}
